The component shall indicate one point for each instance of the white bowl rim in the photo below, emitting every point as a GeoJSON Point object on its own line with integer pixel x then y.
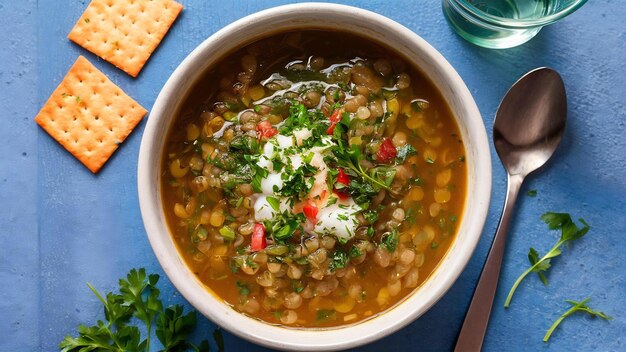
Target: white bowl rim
{"type": "Point", "coordinates": [312, 339]}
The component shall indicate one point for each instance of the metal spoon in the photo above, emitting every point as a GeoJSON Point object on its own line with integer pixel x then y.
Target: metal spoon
{"type": "Point", "coordinates": [528, 127]}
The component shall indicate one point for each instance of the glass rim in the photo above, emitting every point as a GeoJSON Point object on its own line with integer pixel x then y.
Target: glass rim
{"type": "Point", "coordinates": [517, 24]}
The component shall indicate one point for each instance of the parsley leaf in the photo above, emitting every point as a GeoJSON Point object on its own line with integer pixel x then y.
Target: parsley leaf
{"type": "Point", "coordinates": [274, 203]}
{"type": "Point", "coordinates": [576, 307]}
{"type": "Point", "coordinates": [339, 260]}
{"type": "Point", "coordinates": [243, 288]}
{"type": "Point", "coordinates": [349, 158]}
{"type": "Point", "coordinates": [173, 328]}
{"type": "Point", "coordinates": [138, 297]}
{"type": "Point", "coordinates": [326, 314]}
{"type": "Point", "coordinates": [569, 232]}
{"type": "Point", "coordinates": [533, 257]}
{"type": "Point", "coordinates": [139, 291]}
{"type": "Point", "coordinates": [355, 252]}
{"type": "Point", "coordinates": [282, 226]}
{"type": "Point", "coordinates": [532, 193]}
{"type": "Point", "coordinates": [404, 152]}
{"type": "Point", "coordinates": [389, 240]}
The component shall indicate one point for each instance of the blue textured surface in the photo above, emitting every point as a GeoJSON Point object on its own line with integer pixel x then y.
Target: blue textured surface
{"type": "Point", "coordinates": [62, 226]}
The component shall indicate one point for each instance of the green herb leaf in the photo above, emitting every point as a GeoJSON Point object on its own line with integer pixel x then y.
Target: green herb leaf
{"type": "Point", "coordinates": [243, 288]}
{"type": "Point", "coordinates": [338, 260]}
{"type": "Point", "coordinates": [326, 314]}
{"type": "Point", "coordinates": [533, 257]}
{"type": "Point", "coordinates": [404, 152]}
{"type": "Point", "coordinates": [532, 193]}
{"type": "Point", "coordinates": [139, 291]}
{"type": "Point", "coordinates": [389, 240]}
{"type": "Point", "coordinates": [370, 216]}
{"type": "Point", "coordinates": [355, 252]}
{"type": "Point", "coordinates": [576, 307]}
{"type": "Point", "coordinates": [227, 232]}
{"type": "Point", "coordinates": [297, 286]}
{"type": "Point", "coordinates": [138, 297]}
{"type": "Point", "coordinates": [569, 232]}
{"type": "Point", "coordinates": [173, 328]}
{"type": "Point", "coordinates": [274, 203]}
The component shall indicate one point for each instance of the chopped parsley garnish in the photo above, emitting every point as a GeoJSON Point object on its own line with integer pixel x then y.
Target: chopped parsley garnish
{"type": "Point", "coordinates": [274, 203]}
{"type": "Point", "coordinates": [228, 233]}
{"type": "Point", "coordinates": [297, 286]}
{"type": "Point", "coordinates": [370, 216]}
{"type": "Point", "coordinates": [532, 193]}
{"type": "Point", "coordinates": [283, 225]}
{"type": "Point", "coordinates": [338, 260]}
{"type": "Point", "coordinates": [349, 158]}
{"type": "Point", "coordinates": [404, 152]}
{"type": "Point", "coordinates": [355, 252]}
{"type": "Point", "coordinates": [243, 288]}
{"type": "Point", "coordinates": [389, 240]}
{"type": "Point", "coordinates": [326, 314]}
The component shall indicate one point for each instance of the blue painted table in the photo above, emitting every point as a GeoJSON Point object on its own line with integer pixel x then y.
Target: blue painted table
{"type": "Point", "coordinates": [62, 226]}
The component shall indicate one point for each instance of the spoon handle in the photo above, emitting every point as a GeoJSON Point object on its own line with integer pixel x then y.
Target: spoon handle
{"type": "Point", "coordinates": [477, 317]}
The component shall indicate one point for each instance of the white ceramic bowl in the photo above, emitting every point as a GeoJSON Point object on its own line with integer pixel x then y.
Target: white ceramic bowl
{"type": "Point", "coordinates": [340, 18]}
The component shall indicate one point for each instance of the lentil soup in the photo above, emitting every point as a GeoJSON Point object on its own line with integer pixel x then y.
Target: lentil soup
{"type": "Point", "coordinates": [313, 179]}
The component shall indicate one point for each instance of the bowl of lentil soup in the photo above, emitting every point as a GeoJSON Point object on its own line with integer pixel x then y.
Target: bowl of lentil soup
{"type": "Point", "coordinates": [314, 176]}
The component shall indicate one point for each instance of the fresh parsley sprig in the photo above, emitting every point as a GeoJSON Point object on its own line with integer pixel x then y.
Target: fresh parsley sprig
{"type": "Point", "coordinates": [138, 297]}
{"type": "Point", "coordinates": [576, 307]}
{"type": "Point", "coordinates": [569, 232]}
{"type": "Point", "coordinates": [349, 158]}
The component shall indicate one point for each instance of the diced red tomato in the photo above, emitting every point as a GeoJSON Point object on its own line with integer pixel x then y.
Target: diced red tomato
{"type": "Point", "coordinates": [344, 179]}
{"type": "Point", "coordinates": [387, 151]}
{"type": "Point", "coordinates": [266, 129]}
{"type": "Point", "coordinates": [341, 195]}
{"type": "Point", "coordinates": [258, 238]}
{"type": "Point", "coordinates": [334, 118]}
{"type": "Point", "coordinates": [310, 211]}
{"type": "Point", "coordinates": [331, 129]}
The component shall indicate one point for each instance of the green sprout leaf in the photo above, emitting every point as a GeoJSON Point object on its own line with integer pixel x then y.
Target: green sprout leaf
{"type": "Point", "coordinates": [576, 307]}
{"type": "Point", "coordinates": [569, 232]}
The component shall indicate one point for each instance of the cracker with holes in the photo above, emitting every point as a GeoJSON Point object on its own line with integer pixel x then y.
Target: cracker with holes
{"type": "Point", "coordinates": [124, 32]}
{"type": "Point", "coordinates": [89, 115]}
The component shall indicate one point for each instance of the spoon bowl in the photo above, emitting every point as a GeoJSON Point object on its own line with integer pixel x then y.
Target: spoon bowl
{"type": "Point", "coordinates": [527, 134]}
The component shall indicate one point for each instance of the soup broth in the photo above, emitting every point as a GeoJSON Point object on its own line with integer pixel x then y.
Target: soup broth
{"type": "Point", "coordinates": [313, 179]}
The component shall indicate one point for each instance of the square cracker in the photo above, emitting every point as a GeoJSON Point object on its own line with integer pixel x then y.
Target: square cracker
{"type": "Point", "coordinates": [89, 115]}
{"type": "Point", "coordinates": [124, 32]}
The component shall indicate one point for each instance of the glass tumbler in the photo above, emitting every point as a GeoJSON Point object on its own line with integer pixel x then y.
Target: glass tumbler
{"type": "Point", "coordinates": [501, 24]}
